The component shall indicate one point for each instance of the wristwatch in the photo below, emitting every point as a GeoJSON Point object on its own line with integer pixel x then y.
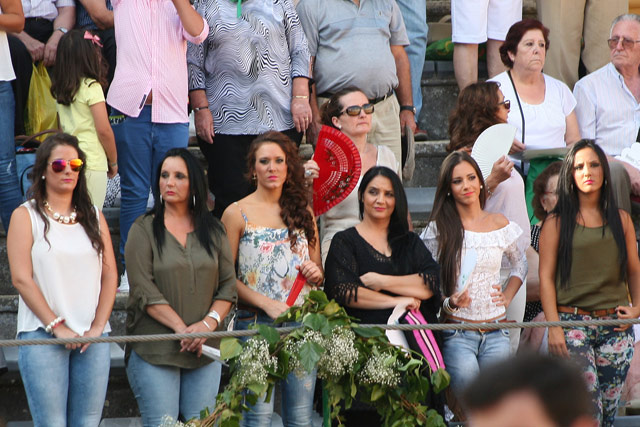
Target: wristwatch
{"type": "Point", "coordinates": [63, 30]}
{"type": "Point", "coordinates": [408, 108]}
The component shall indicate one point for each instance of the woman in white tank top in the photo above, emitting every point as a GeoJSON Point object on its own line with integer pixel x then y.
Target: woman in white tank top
{"type": "Point", "coordinates": [62, 264]}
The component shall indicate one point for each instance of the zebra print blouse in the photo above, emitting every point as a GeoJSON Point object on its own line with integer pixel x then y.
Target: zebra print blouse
{"type": "Point", "coordinates": [247, 64]}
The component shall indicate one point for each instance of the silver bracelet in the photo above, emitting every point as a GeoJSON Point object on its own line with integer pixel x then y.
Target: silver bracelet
{"type": "Point", "coordinates": [206, 324]}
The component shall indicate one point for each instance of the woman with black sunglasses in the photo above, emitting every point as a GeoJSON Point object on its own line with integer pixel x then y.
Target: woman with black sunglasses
{"type": "Point", "coordinates": [62, 264]}
{"type": "Point", "coordinates": [349, 111]}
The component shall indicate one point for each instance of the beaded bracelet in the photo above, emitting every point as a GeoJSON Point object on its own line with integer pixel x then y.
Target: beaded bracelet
{"type": "Point", "coordinates": [54, 323]}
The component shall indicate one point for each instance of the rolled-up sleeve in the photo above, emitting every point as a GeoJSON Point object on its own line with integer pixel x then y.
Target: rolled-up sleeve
{"type": "Point", "coordinates": [200, 37]}
{"type": "Point", "coordinates": [298, 46]}
{"type": "Point", "coordinates": [227, 289]}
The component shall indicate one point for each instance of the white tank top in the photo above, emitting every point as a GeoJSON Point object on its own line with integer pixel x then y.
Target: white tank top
{"type": "Point", "coordinates": [67, 272]}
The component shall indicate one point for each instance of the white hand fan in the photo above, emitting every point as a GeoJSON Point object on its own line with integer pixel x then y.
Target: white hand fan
{"type": "Point", "coordinates": [492, 144]}
{"type": "Point", "coordinates": [467, 265]}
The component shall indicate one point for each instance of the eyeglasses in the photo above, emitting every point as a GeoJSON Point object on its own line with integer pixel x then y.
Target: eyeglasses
{"type": "Point", "coordinates": [626, 43]}
{"type": "Point", "coordinates": [354, 110]}
{"type": "Point", "coordinates": [506, 103]}
{"type": "Point", "coordinates": [60, 165]}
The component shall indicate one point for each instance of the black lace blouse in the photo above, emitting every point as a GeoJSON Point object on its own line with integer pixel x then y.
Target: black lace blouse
{"type": "Point", "coordinates": [350, 256]}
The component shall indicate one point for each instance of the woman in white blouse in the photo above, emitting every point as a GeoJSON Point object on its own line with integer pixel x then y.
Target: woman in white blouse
{"type": "Point", "coordinates": [469, 243]}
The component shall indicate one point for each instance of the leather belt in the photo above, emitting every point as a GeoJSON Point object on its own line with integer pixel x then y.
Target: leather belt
{"type": "Point", "coordinates": [592, 313]}
{"type": "Point", "coordinates": [372, 101]}
{"type": "Point", "coordinates": [482, 331]}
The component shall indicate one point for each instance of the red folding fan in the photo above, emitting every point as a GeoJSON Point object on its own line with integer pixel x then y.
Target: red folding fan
{"type": "Point", "coordinates": [340, 166]}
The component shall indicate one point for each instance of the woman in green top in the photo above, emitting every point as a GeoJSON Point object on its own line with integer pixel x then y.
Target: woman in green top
{"type": "Point", "coordinates": [588, 266]}
{"type": "Point", "coordinates": [182, 280]}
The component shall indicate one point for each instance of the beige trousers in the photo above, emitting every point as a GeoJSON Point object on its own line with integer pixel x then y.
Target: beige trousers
{"type": "Point", "coordinates": [571, 20]}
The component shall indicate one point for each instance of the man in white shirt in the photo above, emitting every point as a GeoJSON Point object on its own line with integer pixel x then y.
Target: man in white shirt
{"type": "Point", "coordinates": [45, 23]}
{"type": "Point", "coordinates": [608, 108]}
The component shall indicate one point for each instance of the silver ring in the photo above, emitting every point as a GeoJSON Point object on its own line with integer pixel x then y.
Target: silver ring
{"type": "Point", "coordinates": [307, 173]}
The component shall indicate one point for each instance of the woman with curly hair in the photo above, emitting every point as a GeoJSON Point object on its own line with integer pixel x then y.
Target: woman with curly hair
{"type": "Point", "coordinates": [273, 236]}
{"type": "Point", "coordinates": [62, 265]}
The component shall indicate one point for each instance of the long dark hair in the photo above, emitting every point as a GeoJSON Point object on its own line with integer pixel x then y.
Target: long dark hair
{"type": "Point", "coordinates": [294, 201]}
{"type": "Point", "coordinates": [445, 214]}
{"type": "Point", "coordinates": [398, 224]}
{"type": "Point", "coordinates": [80, 199]}
{"type": "Point", "coordinates": [204, 224]}
{"type": "Point", "coordinates": [76, 59]}
{"type": "Point", "coordinates": [476, 110]}
{"type": "Point", "coordinates": [568, 208]}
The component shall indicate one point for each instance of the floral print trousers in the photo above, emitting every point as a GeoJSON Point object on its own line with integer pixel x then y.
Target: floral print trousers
{"type": "Point", "coordinates": [604, 355]}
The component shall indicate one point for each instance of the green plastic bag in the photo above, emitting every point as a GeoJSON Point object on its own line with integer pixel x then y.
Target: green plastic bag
{"type": "Point", "coordinates": [41, 106]}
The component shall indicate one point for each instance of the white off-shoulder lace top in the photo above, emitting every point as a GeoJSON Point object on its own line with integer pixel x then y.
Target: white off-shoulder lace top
{"type": "Point", "coordinates": [489, 248]}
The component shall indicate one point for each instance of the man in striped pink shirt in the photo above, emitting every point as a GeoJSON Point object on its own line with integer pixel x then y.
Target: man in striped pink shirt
{"type": "Point", "coordinates": [149, 93]}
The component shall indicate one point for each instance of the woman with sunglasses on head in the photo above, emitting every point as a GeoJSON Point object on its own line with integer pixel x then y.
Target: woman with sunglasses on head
{"type": "Point", "coordinates": [349, 111]}
{"type": "Point", "coordinates": [273, 237]}
{"type": "Point", "coordinates": [470, 244]}
{"type": "Point", "coordinates": [62, 265]}
{"type": "Point", "coordinates": [588, 268]}
{"type": "Point", "coordinates": [480, 106]}
{"type": "Point", "coordinates": [182, 281]}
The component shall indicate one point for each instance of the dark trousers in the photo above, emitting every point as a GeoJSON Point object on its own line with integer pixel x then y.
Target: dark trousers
{"type": "Point", "coordinates": [227, 159]}
{"type": "Point", "coordinates": [40, 29]}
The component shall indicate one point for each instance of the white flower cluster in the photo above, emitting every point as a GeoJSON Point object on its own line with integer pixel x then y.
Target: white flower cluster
{"type": "Point", "coordinates": [293, 347]}
{"type": "Point", "coordinates": [254, 361]}
{"type": "Point", "coordinates": [168, 421]}
{"type": "Point", "coordinates": [340, 354]}
{"type": "Point", "coordinates": [380, 370]}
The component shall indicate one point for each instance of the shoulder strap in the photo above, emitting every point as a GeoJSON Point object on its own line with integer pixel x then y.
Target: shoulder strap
{"type": "Point", "coordinates": [518, 100]}
{"type": "Point", "coordinates": [241, 213]}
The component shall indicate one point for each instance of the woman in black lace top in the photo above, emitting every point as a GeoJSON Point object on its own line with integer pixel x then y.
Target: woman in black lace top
{"type": "Point", "coordinates": [379, 263]}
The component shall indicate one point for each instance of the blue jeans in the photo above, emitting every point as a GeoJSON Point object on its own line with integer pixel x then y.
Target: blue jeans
{"type": "Point", "coordinates": [297, 393]}
{"type": "Point", "coordinates": [466, 352]}
{"type": "Point", "coordinates": [414, 14]}
{"type": "Point", "coordinates": [141, 146]}
{"type": "Point", "coordinates": [10, 196]}
{"type": "Point", "coordinates": [168, 390]}
{"type": "Point", "coordinates": [64, 387]}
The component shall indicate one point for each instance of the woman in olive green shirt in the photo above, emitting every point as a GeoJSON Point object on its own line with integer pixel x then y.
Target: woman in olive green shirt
{"type": "Point", "coordinates": [588, 267]}
{"type": "Point", "coordinates": [182, 280]}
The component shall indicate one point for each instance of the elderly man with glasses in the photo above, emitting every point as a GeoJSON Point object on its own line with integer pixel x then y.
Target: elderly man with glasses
{"type": "Point", "coordinates": [608, 108]}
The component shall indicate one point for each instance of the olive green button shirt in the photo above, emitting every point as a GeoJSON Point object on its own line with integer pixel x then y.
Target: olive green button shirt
{"type": "Point", "coordinates": [186, 278]}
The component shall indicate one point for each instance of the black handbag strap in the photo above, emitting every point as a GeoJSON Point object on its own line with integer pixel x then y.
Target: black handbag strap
{"type": "Point", "coordinates": [521, 114]}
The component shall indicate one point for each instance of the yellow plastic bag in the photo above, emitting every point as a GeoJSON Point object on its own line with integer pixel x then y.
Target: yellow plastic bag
{"type": "Point", "coordinates": [41, 106]}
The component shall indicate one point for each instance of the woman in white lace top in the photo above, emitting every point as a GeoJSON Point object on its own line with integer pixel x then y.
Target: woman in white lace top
{"type": "Point", "coordinates": [469, 243]}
